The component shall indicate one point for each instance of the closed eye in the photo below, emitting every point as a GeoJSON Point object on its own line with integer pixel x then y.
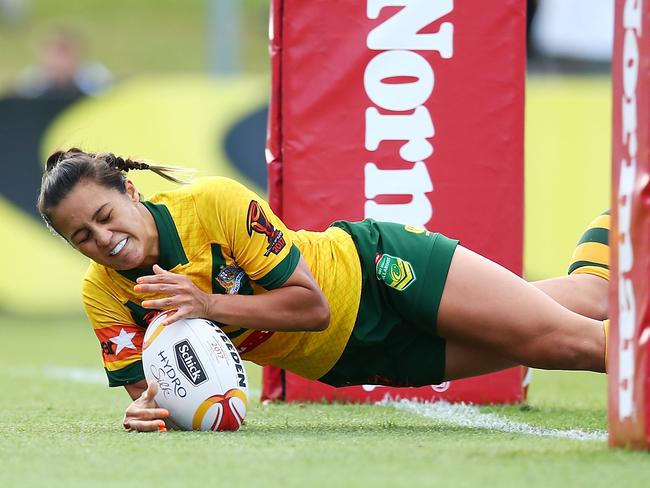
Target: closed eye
{"type": "Point", "coordinates": [106, 218]}
{"type": "Point", "coordinates": [83, 239]}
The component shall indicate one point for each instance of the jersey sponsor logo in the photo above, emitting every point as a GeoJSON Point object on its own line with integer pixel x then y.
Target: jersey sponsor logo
{"type": "Point", "coordinates": [231, 278]}
{"type": "Point", "coordinates": [188, 363]}
{"type": "Point", "coordinates": [399, 82]}
{"type": "Point", "coordinates": [256, 221]}
{"type": "Point", "coordinates": [395, 272]}
{"type": "Point", "coordinates": [120, 341]}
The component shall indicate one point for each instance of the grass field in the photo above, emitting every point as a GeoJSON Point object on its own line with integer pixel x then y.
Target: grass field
{"type": "Point", "coordinates": [60, 426]}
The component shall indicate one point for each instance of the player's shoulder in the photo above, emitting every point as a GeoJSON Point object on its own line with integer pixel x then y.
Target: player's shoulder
{"type": "Point", "coordinates": [203, 189]}
{"type": "Point", "coordinates": [97, 276]}
{"type": "Point", "coordinates": [99, 283]}
{"type": "Point", "coordinates": [218, 187]}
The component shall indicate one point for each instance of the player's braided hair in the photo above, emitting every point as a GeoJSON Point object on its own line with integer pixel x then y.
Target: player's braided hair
{"type": "Point", "coordinates": [64, 169]}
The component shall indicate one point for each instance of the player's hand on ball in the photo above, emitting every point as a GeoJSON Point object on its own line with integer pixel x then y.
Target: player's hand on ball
{"type": "Point", "coordinates": [143, 415]}
{"type": "Point", "coordinates": [184, 297]}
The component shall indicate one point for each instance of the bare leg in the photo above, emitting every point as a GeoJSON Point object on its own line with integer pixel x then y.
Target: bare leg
{"type": "Point", "coordinates": [463, 360]}
{"type": "Point", "coordinates": [484, 305]}
{"type": "Point", "coordinates": [583, 293]}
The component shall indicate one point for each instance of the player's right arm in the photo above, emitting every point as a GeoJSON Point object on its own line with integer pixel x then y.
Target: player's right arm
{"type": "Point", "coordinates": [121, 342]}
{"type": "Point", "coordinates": [136, 389]}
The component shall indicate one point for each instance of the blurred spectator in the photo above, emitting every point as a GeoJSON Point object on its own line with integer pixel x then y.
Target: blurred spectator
{"type": "Point", "coordinates": [13, 11]}
{"type": "Point", "coordinates": [62, 70]}
{"type": "Point", "coordinates": [574, 34]}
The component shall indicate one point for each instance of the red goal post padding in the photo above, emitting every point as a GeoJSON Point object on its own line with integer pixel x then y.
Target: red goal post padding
{"type": "Point", "coordinates": [629, 345]}
{"type": "Point", "coordinates": [409, 111]}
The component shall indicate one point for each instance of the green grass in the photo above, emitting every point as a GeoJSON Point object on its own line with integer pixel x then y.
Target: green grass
{"type": "Point", "coordinates": [55, 432]}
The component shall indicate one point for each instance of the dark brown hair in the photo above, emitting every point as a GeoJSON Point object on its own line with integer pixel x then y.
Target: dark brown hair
{"type": "Point", "coordinates": [64, 169]}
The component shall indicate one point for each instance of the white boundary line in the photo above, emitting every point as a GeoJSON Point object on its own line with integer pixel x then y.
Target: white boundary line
{"type": "Point", "coordinates": [79, 375]}
{"type": "Point", "coordinates": [471, 417]}
{"type": "Point", "coordinates": [461, 415]}
{"type": "Point", "coordinates": [96, 376]}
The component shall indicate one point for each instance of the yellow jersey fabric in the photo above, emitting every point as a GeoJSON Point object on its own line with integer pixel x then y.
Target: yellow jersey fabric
{"type": "Point", "coordinates": [227, 240]}
{"type": "Point", "coordinates": [591, 255]}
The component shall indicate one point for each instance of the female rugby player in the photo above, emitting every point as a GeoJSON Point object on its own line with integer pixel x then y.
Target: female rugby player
{"type": "Point", "coordinates": [360, 303]}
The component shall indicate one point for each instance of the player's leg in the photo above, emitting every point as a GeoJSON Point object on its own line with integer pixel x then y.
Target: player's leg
{"type": "Point", "coordinates": [584, 293]}
{"type": "Point", "coordinates": [585, 289]}
{"type": "Point", "coordinates": [463, 360]}
{"type": "Point", "coordinates": [484, 305]}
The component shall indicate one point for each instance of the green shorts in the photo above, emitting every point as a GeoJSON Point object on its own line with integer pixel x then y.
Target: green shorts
{"type": "Point", "coordinates": [394, 340]}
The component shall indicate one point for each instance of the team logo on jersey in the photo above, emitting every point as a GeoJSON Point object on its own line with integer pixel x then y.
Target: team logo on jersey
{"type": "Point", "coordinates": [257, 222]}
{"type": "Point", "coordinates": [416, 230]}
{"type": "Point", "coordinates": [394, 271]}
{"type": "Point", "coordinates": [230, 278]}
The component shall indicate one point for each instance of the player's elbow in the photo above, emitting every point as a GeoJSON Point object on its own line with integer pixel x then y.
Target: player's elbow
{"type": "Point", "coordinates": [321, 317]}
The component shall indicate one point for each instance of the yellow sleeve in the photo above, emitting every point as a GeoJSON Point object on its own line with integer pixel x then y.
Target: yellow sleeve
{"type": "Point", "coordinates": [120, 338]}
{"type": "Point", "coordinates": [255, 237]}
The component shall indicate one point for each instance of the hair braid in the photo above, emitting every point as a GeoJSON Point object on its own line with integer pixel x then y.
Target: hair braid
{"type": "Point", "coordinates": [64, 169]}
{"type": "Point", "coordinates": [58, 156]}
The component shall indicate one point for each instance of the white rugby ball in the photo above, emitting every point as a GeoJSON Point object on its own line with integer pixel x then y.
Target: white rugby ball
{"type": "Point", "coordinates": [201, 377]}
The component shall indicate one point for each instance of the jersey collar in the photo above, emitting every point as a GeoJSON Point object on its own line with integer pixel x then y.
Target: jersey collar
{"type": "Point", "coordinates": [172, 253]}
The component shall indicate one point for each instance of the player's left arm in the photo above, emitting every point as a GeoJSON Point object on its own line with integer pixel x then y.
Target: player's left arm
{"type": "Point", "coordinates": [261, 245]}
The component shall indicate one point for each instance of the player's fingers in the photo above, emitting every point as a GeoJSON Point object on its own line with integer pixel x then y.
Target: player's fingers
{"type": "Point", "coordinates": [174, 316]}
{"type": "Point", "coordinates": [148, 413]}
{"type": "Point", "coordinates": [152, 389]}
{"type": "Point", "coordinates": [160, 271]}
{"type": "Point", "coordinates": [166, 288]}
{"type": "Point", "coordinates": [145, 425]}
{"type": "Point", "coordinates": [161, 303]}
{"type": "Point", "coordinates": [157, 278]}
{"type": "Point", "coordinates": [170, 318]}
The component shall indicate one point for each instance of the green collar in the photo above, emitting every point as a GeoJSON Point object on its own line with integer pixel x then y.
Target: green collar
{"type": "Point", "coordinates": [171, 249]}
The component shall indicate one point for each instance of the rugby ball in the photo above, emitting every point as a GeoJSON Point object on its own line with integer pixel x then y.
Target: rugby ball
{"type": "Point", "coordinates": [200, 375]}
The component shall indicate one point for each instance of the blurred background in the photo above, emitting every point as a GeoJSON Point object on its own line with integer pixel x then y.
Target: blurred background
{"type": "Point", "coordinates": [186, 82]}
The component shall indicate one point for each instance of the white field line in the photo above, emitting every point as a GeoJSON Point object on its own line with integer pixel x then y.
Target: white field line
{"type": "Point", "coordinates": [78, 375]}
{"type": "Point", "coordinates": [470, 417]}
{"type": "Point", "coordinates": [96, 376]}
{"type": "Point", "coordinates": [467, 416]}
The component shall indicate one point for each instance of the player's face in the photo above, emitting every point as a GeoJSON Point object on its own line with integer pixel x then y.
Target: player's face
{"type": "Point", "coordinates": [111, 228]}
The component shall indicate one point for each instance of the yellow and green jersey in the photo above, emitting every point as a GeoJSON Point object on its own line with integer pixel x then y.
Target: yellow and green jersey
{"type": "Point", "coordinates": [227, 240]}
{"type": "Point", "coordinates": [591, 255]}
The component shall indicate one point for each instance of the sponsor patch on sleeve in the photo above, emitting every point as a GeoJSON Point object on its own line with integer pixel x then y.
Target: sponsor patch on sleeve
{"type": "Point", "coordinates": [256, 221]}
